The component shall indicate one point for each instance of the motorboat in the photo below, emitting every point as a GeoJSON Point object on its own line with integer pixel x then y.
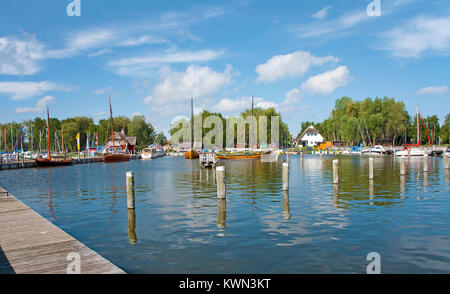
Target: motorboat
{"type": "Point", "coordinates": [152, 152]}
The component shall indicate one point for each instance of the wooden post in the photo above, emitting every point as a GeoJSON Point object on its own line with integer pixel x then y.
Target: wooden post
{"type": "Point", "coordinates": [285, 176]}
{"type": "Point", "coordinates": [425, 162]}
{"type": "Point", "coordinates": [335, 171]}
{"type": "Point", "coordinates": [446, 161]}
{"type": "Point", "coordinates": [402, 166]}
{"type": "Point", "coordinates": [220, 180]}
{"type": "Point", "coordinates": [23, 160]}
{"type": "Point", "coordinates": [371, 168]}
{"type": "Point", "coordinates": [301, 156]}
{"type": "Point", "coordinates": [130, 190]}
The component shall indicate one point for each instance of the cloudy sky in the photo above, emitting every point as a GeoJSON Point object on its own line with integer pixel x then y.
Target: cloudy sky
{"type": "Point", "coordinates": [151, 56]}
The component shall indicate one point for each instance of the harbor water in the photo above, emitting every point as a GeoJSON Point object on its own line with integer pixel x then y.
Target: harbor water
{"type": "Point", "coordinates": [179, 225]}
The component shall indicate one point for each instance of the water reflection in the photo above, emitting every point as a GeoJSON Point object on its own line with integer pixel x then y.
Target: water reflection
{"type": "Point", "coordinates": [221, 213]}
{"type": "Point", "coordinates": [316, 227]}
{"type": "Point", "coordinates": [132, 236]}
{"type": "Point", "coordinates": [286, 209]}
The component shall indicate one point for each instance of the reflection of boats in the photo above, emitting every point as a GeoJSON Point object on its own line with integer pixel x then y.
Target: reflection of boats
{"type": "Point", "coordinates": [152, 152]}
{"type": "Point", "coordinates": [49, 160]}
{"type": "Point", "coordinates": [239, 155]}
{"type": "Point", "coordinates": [112, 154]}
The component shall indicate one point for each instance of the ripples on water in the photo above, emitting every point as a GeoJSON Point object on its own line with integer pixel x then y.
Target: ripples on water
{"type": "Point", "coordinates": [180, 227]}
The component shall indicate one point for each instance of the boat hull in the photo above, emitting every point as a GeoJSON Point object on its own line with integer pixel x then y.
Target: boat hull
{"type": "Point", "coordinates": [115, 157]}
{"type": "Point", "coordinates": [53, 162]}
{"type": "Point", "coordinates": [238, 156]}
{"type": "Point", "coordinates": [191, 154]}
{"type": "Point", "coordinates": [152, 155]}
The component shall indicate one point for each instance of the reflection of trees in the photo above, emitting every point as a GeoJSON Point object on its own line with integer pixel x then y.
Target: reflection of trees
{"type": "Point", "coordinates": [354, 184]}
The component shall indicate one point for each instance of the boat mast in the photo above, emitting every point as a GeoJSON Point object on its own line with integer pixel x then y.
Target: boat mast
{"type": "Point", "coordinates": [112, 125]}
{"type": "Point", "coordinates": [62, 142]}
{"type": "Point", "coordinates": [418, 129]}
{"type": "Point", "coordinates": [251, 128]}
{"type": "Point", "coordinates": [48, 135]}
{"type": "Point", "coordinates": [192, 123]}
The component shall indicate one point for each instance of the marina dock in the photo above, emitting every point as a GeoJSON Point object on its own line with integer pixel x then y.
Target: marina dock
{"type": "Point", "coordinates": [30, 244]}
{"type": "Point", "coordinates": [32, 163]}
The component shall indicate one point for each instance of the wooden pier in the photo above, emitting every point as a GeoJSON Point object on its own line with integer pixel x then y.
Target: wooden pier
{"type": "Point", "coordinates": [32, 163]}
{"type": "Point", "coordinates": [30, 244]}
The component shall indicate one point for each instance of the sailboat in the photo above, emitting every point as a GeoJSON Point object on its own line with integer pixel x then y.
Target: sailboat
{"type": "Point", "coordinates": [51, 161]}
{"type": "Point", "coordinates": [191, 153]}
{"type": "Point", "coordinates": [246, 154]}
{"type": "Point", "coordinates": [413, 149]}
{"type": "Point", "coordinates": [111, 154]}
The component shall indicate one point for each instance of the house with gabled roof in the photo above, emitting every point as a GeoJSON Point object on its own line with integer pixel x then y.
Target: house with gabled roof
{"type": "Point", "coordinates": [310, 137]}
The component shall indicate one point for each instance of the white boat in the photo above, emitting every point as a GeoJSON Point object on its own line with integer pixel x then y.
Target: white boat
{"type": "Point", "coordinates": [408, 151]}
{"type": "Point", "coordinates": [376, 150]}
{"type": "Point", "coordinates": [414, 149]}
{"type": "Point", "coordinates": [447, 151]}
{"type": "Point", "coordinates": [152, 152]}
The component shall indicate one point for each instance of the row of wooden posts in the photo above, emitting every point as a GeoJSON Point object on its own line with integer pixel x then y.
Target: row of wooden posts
{"type": "Point", "coordinates": [220, 176]}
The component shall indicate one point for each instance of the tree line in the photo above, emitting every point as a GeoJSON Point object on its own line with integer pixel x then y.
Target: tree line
{"type": "Point", "coordinates": [32, 134]}
{"type": "Point", "coordinates": [367, 121]}
{"type": "Point", "coordinates": [284, 134]}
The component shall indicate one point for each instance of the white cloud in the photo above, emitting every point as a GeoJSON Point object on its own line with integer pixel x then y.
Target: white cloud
{"type": "Point", "coordinates": [227, 105]}
{"type": "Point", "coordinates": [103, 90]}
{"type": "Point", "coordinates": [143, 40]}
{"type": "Point", "coordinates": [321, 13]}
{"type": "Point", "coordinates": [433, 90]}
{"type": "Point", "coordinates": [39, 106]}
{"type": "Point", "coordinates": [139, 65]}
{"type": "Point", "coordinates": [100, 52]}
{"type": "Point", "coordinates": [22, 90]}
{"type": "Point", "coordinates": [20, 56]}
{"type": "Point", "coordinates": [290, 65]}
{"type": "Point", "coordinates": [293, 96]}
{"type": "Point", "coordinates": [419, 36]}
{"type": "Point", "coordinates": [327, 82]}
{"type": "Point", "coordinates": [196, 81]}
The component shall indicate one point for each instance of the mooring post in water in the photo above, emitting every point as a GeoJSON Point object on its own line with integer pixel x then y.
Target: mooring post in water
{"type": "Point", "coordinates": [371, 168]}
{"type": "Point", "coordinates": [447, 161]}
{"type": "Point", "coordinates": [130, 190]}
{"type": "Point", "coordinates": [23, 160]}
{"type": "Point", "coordinates": [285, 176]}
{"type": "Point", "coordinates": [301, 156]}
{"type": "Point", "coordinates": [220, 180]}
{"type": "Point", "coordinates": [425, 162]}
{"type": "Point", "coordinates": [335, 171]}
{"type": "Point", "coordinates": [287, 156]}
{"type": "Point", "coordinates": [286, 209]}
{"type": "Point", "coordinates": [402, 166]}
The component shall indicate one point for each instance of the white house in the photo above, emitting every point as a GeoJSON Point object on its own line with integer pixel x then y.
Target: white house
{"type": "Point", "coordinates": [311, 137]}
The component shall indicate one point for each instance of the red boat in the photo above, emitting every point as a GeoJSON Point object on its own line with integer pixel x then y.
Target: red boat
{"type": "Point", "coordinates": [114, 155]}
{"type": "Point", "coordinates": [52, 161]}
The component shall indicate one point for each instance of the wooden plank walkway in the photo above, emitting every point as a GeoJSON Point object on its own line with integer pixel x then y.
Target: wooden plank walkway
{"type": "Point", "coordinates": [30, 244]}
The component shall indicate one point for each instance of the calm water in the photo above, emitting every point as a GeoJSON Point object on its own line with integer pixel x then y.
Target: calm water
{"type": "Point", "coordinates": [181, 227]}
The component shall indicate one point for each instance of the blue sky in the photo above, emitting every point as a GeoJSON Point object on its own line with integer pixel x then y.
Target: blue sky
{"type": "Point", "coordinates": [151, 56]}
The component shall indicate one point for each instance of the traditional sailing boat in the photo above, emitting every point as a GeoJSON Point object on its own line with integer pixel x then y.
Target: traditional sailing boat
{"type": "Point", "coordinates": [191, 153]}
{"type": "Point", "coordinates": [51, 161]}
{"type": "Point", "coordinates": [248, 154]}
{"type": "Point", "coordinates": [413, 149]}
{"type": "Point", "coordinates": [111, 154]}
